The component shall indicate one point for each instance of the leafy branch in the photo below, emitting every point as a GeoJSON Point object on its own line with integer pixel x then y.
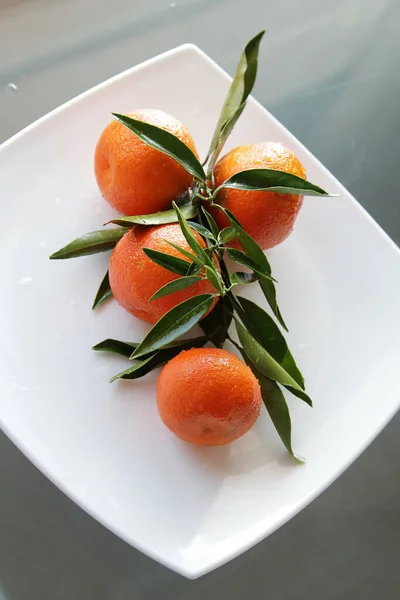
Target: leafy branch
{"type": "Point", "coordinates": [259, 337]}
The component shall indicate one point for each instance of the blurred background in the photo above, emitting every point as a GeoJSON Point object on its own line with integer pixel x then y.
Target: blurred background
{"type": "Point", "coordinates": [330, 72]}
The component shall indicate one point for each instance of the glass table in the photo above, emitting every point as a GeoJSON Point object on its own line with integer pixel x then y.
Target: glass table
{"type": "Point", "coordinates": [331, 73]}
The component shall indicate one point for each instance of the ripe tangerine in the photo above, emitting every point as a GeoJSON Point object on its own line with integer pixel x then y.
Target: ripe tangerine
{"type": "Point", "coordinates": [208, 396]}
{"type": "Point", "coordinates": [135, 178]}
{"type": "Point", "coordinates": [134, 277]}
{"type": "Point", "coordinates": [267, 216]}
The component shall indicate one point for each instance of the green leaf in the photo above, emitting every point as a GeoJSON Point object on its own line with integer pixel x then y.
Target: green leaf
{"type": "Point", "coordinates": [300, 394]}
{"type": "Point", "coordinates": [197, 248]}
{"type": "Point", "coordinates": [200, 229]}
{"type": "Point", "coordinates": [276, 405]}
{"type": "Point", "coordinates": [263, 328]}
{"type": "Point", "coordinates": [226, 235]}
{"type": "Point", "coordinates": [103, 293]}
{"type": "Point", "coordinates": [186, 344]}
{"type": "Point", "coordinates": [176, 286]}
{"type": "Point", "coordinates": [263, 360]}
{"type": "Point", "coordinates": [184, 252]}
{"type": "Point", "coordinates": [165, 142]}
{"type": "Point", "coordinates": [193, 269]}
{"type": "Point", "coordinates": [269, 291]}
{"type": "Point", "coordinates": [214, 277]}
{"type": "Point", "coordinates": [225, 133]}
{"type": "Point", "coordinates": [189, 236]}
{"type": "Point", "coordinates": [188, 210]}
{"type": "Point", "coordinates": [116, 347]}
{"type": "Point", "coordinates": [167, 261]}
{"type": "Point", "coordinates": [125, 348]}
{"type": "Point", "coordinates": [250, 246]}
{"type": "Point", "coordinates": [253, 251]}
{"type": "Point", "coordinates": [145, 365]}
{"type": "Point", "coordinates": [240, 278]}
{"type": "Point", "coordinates": [217, 323]}
{"type": "Point", "coordinates": [174, 323]}
{"type": "Point", "coordinates": [211, 223]}
{"type": "Point", "coordinates": [91, 243]}
{"type": "Point", "coordinates": [272, 180]}
{"type": "Point", "coordinates": [278, 410]}
{"type": "Point", "coordinates": [240, 258]}
{"type": "Point", "coordinates": [142, 367]}
{"type": "Point", "coordinates": [238, 93]}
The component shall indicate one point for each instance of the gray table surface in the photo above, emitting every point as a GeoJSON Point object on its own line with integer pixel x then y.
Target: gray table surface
{"type": "Point", "coordinates": [331, 73]}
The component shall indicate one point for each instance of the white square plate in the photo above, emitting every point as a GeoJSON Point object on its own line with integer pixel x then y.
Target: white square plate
{"type": "Point", "coordinates": [104, 445]}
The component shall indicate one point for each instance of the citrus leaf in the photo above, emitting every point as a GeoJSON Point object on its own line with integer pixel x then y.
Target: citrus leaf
{"type": "Point", "coordinates": [125, 348]}
{"type": "Point", "coordinates": [269, 291]}
{"type": "Point", "coordinates": [225, 133]}
{"type": "Point", "coordinates": [217, 323]}
{"type": "Point", "coordinates": [165, 142]}
{"type": "Point", "coordinates": [272, 180]}
{"type": "Point", "coordinates": [189, 236]}
{"type": "Point", "coordinates": [226, 235]}
{"type": "Point", "coordinates": [300, 394]}
{"type": "Point", "coordinates": [167, 261]}
{"type": "Point", "coordinates": [250, 246]}
{"type": "Point", "coordinates": [253, 251]}
{"type": "Point", "coordinates": [239, 90]}
{"type": "Point", "coordinates": [196, 342]}
{"type": "Point", "coordinates": [193, 269]}
{"type": "Point", "coordinates": [184, 252]}
{"type": "Point", "coordinates": [174, 323]}
{"type": "Point", "coordinates": [145, 365]}
{"type": "Point", "coordinates": [200, 228]}
{"type": "Point", "coordinates": [195, 246]}
{"type": "Point", "coordinates": [241, 259]}
{"type": "Point", "coordinates": [263, 360]}
{"type": "Point", "coordinates": [90, 243]}
{"type": "Point", "coordinates": [142, 367]}
{"type": "Point", "coordinates": [175, 286]}
{"type": "Point", "coordinates": [264, 329]}
{"type": "Point", "coordinates": [116, 347]}
{"type": "Point", "coordinates": [188, 210]}
{"type": "Point", "coordinates": [240, 278]}
{"type": "Point", "coordinates": [103, 293]}
{"type": "Point", "coordinates": [214, 277]}
{"type": "Point", "coordinates": [211, 223]}
{"type": "Point", "coordinates": [277, 408]}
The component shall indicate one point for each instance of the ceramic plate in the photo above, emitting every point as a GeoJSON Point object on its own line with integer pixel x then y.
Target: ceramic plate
{"type": "Point", "coordinates": [104, 445]}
